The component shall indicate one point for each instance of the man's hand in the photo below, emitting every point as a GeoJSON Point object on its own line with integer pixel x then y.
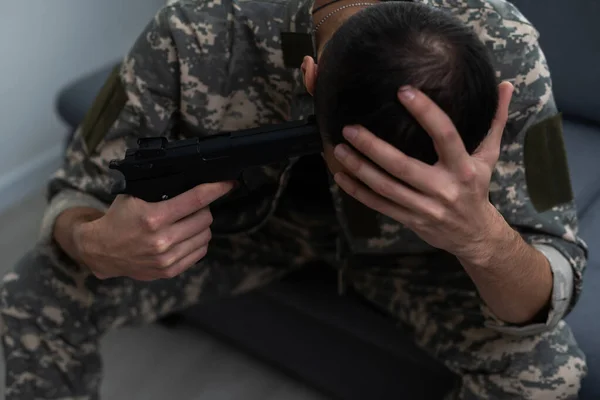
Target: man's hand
{"type": "Point", "coordinates": [446, 204]}
{"type": "Point", "coordinates": [147, 241]}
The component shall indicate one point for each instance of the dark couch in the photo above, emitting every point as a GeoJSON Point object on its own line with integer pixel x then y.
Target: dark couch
{"type": "Point", "coordinates": [346, 349]}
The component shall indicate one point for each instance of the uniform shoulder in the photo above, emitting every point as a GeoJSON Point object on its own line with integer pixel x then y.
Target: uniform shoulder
{"type": "Point", "coordinates": [194, 14]}
{"type": "Point", "coordinates": [506, 10]}
{"type": "Point", "coordinates": [497, 20]}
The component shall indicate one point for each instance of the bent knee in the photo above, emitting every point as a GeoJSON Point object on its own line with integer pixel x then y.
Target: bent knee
{"type": "Point", "coordinates": [30, 276]}
{"type": "Point", "coordinates": [558, 380]}
{"type": "Point", "coordinates": [532, 384]}
{"type": "Point", "coordinates": [36, 290]}
{"type": "Point", "coordinates": [548, 366]}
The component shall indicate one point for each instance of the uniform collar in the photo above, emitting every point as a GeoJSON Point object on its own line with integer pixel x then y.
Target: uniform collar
{"type": "Point", "coordinates": [298, 34]}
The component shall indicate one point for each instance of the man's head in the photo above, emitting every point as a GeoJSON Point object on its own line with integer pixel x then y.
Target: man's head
{"type": "Point", "coordinates": [383, 47]}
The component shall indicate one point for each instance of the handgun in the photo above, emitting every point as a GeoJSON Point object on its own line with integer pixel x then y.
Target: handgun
{"type": "Point", "coordinates": [159, 169]}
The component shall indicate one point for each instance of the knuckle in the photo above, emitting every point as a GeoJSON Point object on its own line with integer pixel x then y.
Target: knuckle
{"type": "Point", "coordinates": [468, 173]}
{"type": "Point", "coordinates": [364, 143]}
{"type": "Point", "coordinates": [449, 195]}
{"type": "Point", "coordinates": [169, 273]}
{"type": "Point", "coordinates": [351, 188]}
{"type": "Point", "coordinates": [438, 214]}
{"type": "Point", "coordinates": [400, 167]}
{"type": "Point", "coordinates": [418, 224]}
{"type": "Point", "coordinates": [160, 245]}
{"type": "Point", "coordinates": [199, 198]}
{"type": "Point", "coordinates": [448, 135]}
{"type": "Point", "coordinates": [150, 222]}
{"type": "Point", "coordinates": [353, 163]}
{"type": "Point", "coordinates": [209, 219]}
{"type": "Point", "coordinates": [163, 261]}
{"type": "Point", "coordinates": [385, 189]}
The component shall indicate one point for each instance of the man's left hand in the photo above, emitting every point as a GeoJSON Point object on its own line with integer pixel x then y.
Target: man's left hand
{"type": "Point", "coordinates": [445, 204]}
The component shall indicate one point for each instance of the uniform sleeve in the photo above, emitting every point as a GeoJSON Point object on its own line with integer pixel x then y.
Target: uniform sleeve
{"type": "Point", "coordinates": [552, 230]}
{"type": "Point", "coordinates": [140, 99]}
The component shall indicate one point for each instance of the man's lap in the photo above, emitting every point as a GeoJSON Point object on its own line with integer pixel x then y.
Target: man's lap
{"type": "Point", "coordinates": [443, 313]}
{"type": "Point", "coordinates": [437, 304]}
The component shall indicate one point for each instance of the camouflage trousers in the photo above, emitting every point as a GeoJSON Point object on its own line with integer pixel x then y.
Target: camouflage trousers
{"type": "Point", "coordinates": [54, 313]}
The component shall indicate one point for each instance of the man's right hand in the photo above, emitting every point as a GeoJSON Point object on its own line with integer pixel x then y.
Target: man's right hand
{"type": "Point", "coordinates": [146, 241]}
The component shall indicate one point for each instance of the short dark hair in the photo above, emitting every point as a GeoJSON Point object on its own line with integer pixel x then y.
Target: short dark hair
{"type": "Point", "coordinates": [392, 44]}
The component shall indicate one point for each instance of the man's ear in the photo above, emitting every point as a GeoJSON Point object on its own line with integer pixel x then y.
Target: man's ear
{"type": "Point", "coordinates": [309, 73]}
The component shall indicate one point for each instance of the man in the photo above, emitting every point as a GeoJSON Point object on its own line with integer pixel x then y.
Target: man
{"type": "Point", "coordinates": [441, 255]}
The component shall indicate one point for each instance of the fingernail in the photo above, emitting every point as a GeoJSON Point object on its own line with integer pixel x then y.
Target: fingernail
{"type": "Point", "coordinates": [406, 93]}
{"type": "Point", "coordinates": [339, 178]}
{"type": "Point", "coordinates": [350, 132]}
{"type": "Point", "coordinates": [340, 151]}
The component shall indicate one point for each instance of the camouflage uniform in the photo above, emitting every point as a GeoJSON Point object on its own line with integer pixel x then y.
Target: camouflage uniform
{"type": "Point", "coordinates": [218, 65]}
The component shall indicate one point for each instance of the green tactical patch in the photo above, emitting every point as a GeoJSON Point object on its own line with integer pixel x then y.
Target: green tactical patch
{"type": "Point", "coordinates": [104, 111]}
{"type": "Point", "coordinates": [546, 165]}
{"type": "Point", "coordinates": [295, 46]}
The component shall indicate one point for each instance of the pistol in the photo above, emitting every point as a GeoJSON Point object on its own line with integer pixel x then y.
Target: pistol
{"type": "Point", "coordinates": [159, 169]}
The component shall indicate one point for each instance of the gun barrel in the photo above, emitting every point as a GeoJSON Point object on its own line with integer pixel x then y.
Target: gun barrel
{"type": "Point", "coordinates": [209, 158]}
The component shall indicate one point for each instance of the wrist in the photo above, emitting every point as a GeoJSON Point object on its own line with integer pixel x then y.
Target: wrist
{"type": "Point", "coordinates": [498, 240]}
{"type": "Point", "coordinates": [74, 230]}
{"type": "Point", "coordinates": [81, 237]}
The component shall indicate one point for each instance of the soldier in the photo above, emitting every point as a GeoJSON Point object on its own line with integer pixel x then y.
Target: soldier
{"type": "Point", "coordinates": [464, 249]}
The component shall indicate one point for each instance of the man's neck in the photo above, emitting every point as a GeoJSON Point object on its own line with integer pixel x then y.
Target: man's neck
{"type": "Point", "coordinates": [328, 24]}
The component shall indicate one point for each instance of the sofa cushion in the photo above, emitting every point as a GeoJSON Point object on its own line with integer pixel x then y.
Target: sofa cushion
{"type": "Point", "coordinates": [570, 39]}
{"type": "Point", "coordinates": [314, 292]}
{"type": "Point", "coordinates": [76, 99]}
{"type": "Point", "coordinates": [582, 142]}
{"type": "Point", "coordinates": [584, 320]}
{"type": "Point", "coordinates": [303, 328]}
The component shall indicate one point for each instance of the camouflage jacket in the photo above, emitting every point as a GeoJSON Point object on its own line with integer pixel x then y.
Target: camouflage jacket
{"type": "Point", "coordinates": [219, 65]}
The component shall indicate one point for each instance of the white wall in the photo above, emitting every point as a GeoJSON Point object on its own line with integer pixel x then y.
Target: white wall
{"type": "Point", "coordinates": [44, 45]}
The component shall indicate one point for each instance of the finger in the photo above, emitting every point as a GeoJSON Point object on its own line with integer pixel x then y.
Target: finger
{"type": "Point", "coordinates": [448, 143]}
{"type": "Point", "coordinates": [170, 211]}
{"type": "Point", "coordinates": [380, 182]}
{"type": "Point", "coordinates": [184, 264]}
{"type": "Point", "coordinates": [372, 200]}
{"type": "Point", "coordinates": [182, 250]}
{"type": "Point", "coordinates": [407, 169]}
{"type": "Point", "coordinates": [489, 149]}
{"type": "Point", "coordinates": [186, 228]}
